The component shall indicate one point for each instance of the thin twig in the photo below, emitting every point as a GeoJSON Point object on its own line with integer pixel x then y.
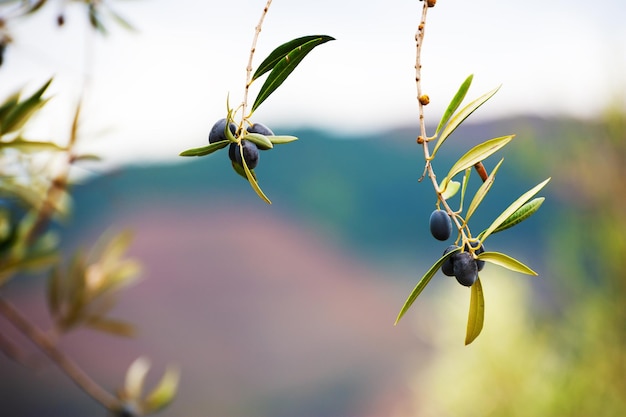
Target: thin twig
{"type": "Point", "coordinates": [423, 139]}
{"type": "Point", "coordinates": [67, 365]}
{"type": "Point", "coordinates": [257, 32]}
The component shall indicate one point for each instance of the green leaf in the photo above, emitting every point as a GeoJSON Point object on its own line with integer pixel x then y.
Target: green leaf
{"type": "Point", "coordinates": [279, 140]}
{"type": "Point", "coordinates": [455, 103]}
{"type": "Point", "coordinates": [478, 153]}
{"type": "Point", "coordinates": [206, 150]}
{"type": "Point", "coordinates": [476, 316]}
{"type": "Point", "coordinates": [505, 261]}
{"type": "Point", "coordinates": [8, 104]}
{"type": "Point", "coordinates": [283, 50]}
{"type": "Point", "coordinates": [136, 378]}
{"type": "Point", "coordinates": [451, 189]}
{"type": "Point", "coordinates": [521, 214]}
{"type": "Point", "coordinates": [512, 209]}
{"type": "Point", "coordinates": [460, 117]}
{"type": "Point", "coordinates": [19, 113]}
{"type": "Point", "coordinates": [26, 146]}
{"type": "Point", "coordinates": [163, 394]}
{"type": "Point", "coordinates": [283, 68]}
{"type": "Point", "coordinates": [466, 177]}
{"type": "Point", "coordinates": [111, 326]}
{"type": "Point", "coordinates": [482, 192]}
{"type": "Point", "coordinates": [252, 178]}
{"type": "Point", "coordinates": [422, 283]}
{"type": "Point", "coordinates": [121, 20]}
{"type": "Point", "coordinates": [261, 141]}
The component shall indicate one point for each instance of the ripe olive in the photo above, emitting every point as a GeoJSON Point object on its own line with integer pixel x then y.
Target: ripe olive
{"type": "Point", "coordinates": [448, 265]}
{"type": "Point", "coordinates": [440, 225]}
{"type": "Point", "coordinates": [260, 128]}
{"type": "Point", "coordinates": [217, 133]}
{"type": "Point", "coordinates": [465, 268]}
{"type": "Point", "coordinates": [250, 154]}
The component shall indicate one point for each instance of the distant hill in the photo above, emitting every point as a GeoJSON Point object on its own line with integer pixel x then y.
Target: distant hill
{"type": "Point", "coordinates": [362, 191]}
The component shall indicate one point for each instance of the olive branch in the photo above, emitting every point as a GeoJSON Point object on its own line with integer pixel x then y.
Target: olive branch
{"type": "Point", "coordinates": [467, 256]}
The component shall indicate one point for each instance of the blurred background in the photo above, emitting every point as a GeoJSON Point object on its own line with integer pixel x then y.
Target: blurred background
{"type": "Point", "coordinates": [288, 309]}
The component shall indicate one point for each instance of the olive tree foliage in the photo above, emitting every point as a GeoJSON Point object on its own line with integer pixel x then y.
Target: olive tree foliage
{"type": "Point", "coordinates": [35, 192]}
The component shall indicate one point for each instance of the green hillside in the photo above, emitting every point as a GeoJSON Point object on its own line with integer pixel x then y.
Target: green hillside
{"type": "Point", "coordinates": [363, 190]}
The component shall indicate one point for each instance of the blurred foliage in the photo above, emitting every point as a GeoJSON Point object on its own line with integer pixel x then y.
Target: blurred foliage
{"type": "Point", "coordinates": [34, 193]}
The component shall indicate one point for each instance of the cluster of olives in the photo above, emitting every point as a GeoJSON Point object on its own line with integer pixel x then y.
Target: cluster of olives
{"type": "Point", "coordinates": [250, 150]}
{"type": "Point", "coordinates": [462, 265]}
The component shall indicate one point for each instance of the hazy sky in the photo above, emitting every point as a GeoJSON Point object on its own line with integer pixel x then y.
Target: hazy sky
{"type": "Point", "coordinates": [158, 91]}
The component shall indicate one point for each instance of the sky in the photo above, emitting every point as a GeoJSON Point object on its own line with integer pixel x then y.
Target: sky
{"type": "Point", "coordinates": [157, 91]}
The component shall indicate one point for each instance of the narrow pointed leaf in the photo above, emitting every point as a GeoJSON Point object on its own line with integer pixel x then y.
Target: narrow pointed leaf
{"type": "Point", "coordinates": [252, 179]}
{"type": "Point", "coordinates": [476, 315]}
{"type": "Point", "coordinates": [455, 103]}
{"type": "Point", "coordinates": [506, 261]}
{"type": "Point", "coordinates": [280, 52]}
{"type": "Point", "coordinates": [460, 117]}
{"type": "Point", "coordinates": [521, 214]}
{"type": "Point", "coordinates": [121, 20]}
{"type": "Point", "coordinates": [482, 192]}
{"type": "Point", "coordinates": [240, 171]}
{"type": "Point", "coordinates": [513, 208]}
{"type": "Point", "coordinates": [20, 113]}
{"type": "Point", "coordinates": [206, 150]}
{"type": "Point", "coordinates": [283, 68]}
{"type": "Point", "coordinates": [422, 284]}
{"type": "Point", "coordinates": [164, 392]}
{"type": "Point", "coordinates": [466, 177]}
{"type": "Point", "coordinates": [136, 378]}
{"type": "Point", "coordinates": [261, 141]}
{"type": "Point", "coordinates": [478, 153]}
{"type": "Point", "coordinates": [27, 146]}
{"type": "Point", "coordinates": [279, 140]}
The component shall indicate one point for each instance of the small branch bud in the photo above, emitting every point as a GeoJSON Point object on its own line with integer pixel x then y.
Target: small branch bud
{"type": "Point", "coordinates": [424, 99]}
{"type": "Point", "coordinates": [431, 3]}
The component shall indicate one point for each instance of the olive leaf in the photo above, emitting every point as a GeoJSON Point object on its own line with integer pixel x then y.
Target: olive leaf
{"type": "Point", "coordinates": [284, 66]}
{"type": "Point", "coordinates": [27, 146]}
{"type": "Point", "coordinates": [261, 141]}
{"type": "Point", "coordinates": [283, 50]}
{"type": "Point", "coordinates": [20, 112]}
{"type": "Point", "coordinates": [450, 190]}
{"type": "Point", "coordinates": [521, 214]}
{"type": "Point", "coordinates": [476, 316]}
{"type": "Point", "coordinates": [423, 282]}
{"type": "Point", "coordinates": [478, 153]}
{"type": "Point", "coordinates": [455, 103]}
{"type": "Point", "coordinates": [482, 191]}
{"type": "Point", "coordinates": [205, 150]}
{"type": "Point", "coordinates": [505, 261]}
{"type": "Point", "coordinates": [165, 391]}
{"type": "Point", "coordinates": [251, 177]}
{"type": "Point", "coordinates": [512, 209]}
{"type": "Point", "coordinates": [460, 117]}
{"type": "Point", "coordinates": [281, 139]}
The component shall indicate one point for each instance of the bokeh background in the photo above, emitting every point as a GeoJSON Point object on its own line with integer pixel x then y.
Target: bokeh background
{"type": "Point", "coordinates": [288, 310]}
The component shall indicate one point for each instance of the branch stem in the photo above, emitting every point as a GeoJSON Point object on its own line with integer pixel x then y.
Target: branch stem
{"type": "Point", "coordinates": [257, 32]}
{"type": "Point", "coordinates": [67, 365]}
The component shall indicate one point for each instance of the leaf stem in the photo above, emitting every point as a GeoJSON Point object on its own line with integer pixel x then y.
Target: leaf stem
{"type": "Point", "coordinates": [257, 32]}
{"type": "Point", "coordinates": [67, 365]}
